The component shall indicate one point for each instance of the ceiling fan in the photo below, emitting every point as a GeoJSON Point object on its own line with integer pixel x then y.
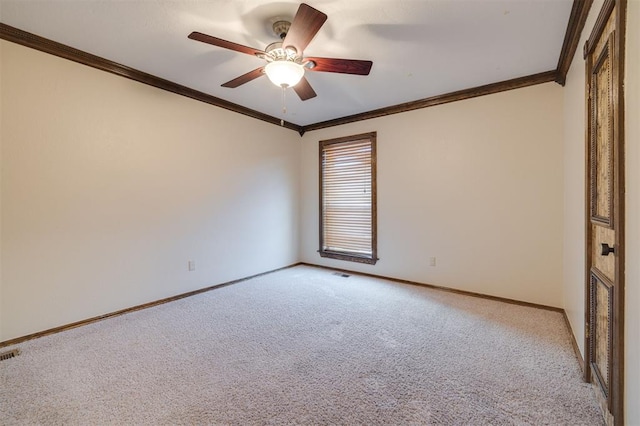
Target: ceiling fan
{"type": "Point", "coordinates": [286, 64]}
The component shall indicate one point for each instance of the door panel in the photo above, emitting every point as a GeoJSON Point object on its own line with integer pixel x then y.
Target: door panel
{"type": "Point", "coordinates": [601, 324]}
{"type": "Point", "coordinates": [601, 206]}
{"type": "Point", "coordinates": [602, 137]}
{"type": "Point", "coordinates": [605, 210]}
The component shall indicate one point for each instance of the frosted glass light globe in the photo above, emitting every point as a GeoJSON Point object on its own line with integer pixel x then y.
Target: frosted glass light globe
{"type": "Point", "coordinates": [284, 73]}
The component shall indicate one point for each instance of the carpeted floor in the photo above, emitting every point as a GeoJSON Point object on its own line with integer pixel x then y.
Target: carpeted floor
{"type": "Point", "coordinates": [305, 346]}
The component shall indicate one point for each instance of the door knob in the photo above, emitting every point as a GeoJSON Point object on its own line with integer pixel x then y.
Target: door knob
{"type": "Point", "coordinates": [606, 249]}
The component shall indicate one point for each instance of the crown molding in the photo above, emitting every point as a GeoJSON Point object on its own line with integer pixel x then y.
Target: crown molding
{"type": "Point", "coordinates": [579, 12]}
{"type": "Point", "coordinates": [460, 95]}
{"type": "Point", "coordinates": [577, 20]}
{"type": "Point", "coordinates": [42, 44]}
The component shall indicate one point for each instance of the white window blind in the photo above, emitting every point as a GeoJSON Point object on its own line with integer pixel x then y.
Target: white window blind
{"type": "Point", "coordinates": [348, 198]}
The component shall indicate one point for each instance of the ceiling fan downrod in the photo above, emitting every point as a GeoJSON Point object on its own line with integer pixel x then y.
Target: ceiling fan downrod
{"type": "Point", "coordinates": [281, 28]}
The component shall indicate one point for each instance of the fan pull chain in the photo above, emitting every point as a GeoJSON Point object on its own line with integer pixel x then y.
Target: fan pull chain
{"type": "Point", "coordinates": [284, 104]}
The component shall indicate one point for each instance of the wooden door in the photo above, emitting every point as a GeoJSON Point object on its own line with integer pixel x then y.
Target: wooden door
{"type": "Point", "coordinates": [604, 56]}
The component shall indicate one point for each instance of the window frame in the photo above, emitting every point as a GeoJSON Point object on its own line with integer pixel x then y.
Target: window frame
{"type": "Point", "coordinates": [351, 256]}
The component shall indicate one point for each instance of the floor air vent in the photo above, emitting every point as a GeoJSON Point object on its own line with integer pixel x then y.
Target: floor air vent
{"type": "Point", "coordinates": [340, 274]}
{"type": "Point", "coordinates": [10, 354]}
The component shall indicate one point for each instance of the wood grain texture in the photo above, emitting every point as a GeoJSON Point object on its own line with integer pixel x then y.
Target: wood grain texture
{"type": "Point", "coordinates": [604, 264]}
{"type": "Point", "coordinates": [602, 137]}
{"type": "Point", "coordinates": [599, 28]}
{"type": "Point", "coordinates": [244, 78]}
{"type": "Point", "coordinates": [42, 44]}
{"type": "Point", "coordinates": [603, 275]}
{"type": "Point", "coordinates": [602, 335]}
{"type": "Point", "coordinates": [342, 66]}
{"type": "Point", "coordinates": [588, 227]}
{"type": "Point", "coordinates": [304, 27]}
{"type": "Point", "coordinates": [617, 403]}
{"type": "Point", "coordinates": [601, 345]}
{"type": "Point", "coordinates": [577, 19]}
{"type": "Point", "coordinates": [304, 90]}
{"type": "Point", "coordinates": [618, 367]}
{"type": "Point", "coordinates": [226, 44]}
{"type": "Point", "coordinates": [605, 77]}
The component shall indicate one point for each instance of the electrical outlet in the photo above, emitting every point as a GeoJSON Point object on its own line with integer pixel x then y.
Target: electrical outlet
{"type": "Point", "coordinates": [432, 261]}
{"type": "Point", "coordinates": [191, 265]}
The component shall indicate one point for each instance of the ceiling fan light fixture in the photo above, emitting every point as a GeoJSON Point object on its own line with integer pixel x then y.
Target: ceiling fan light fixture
{"type": "Point", "coordinates": [284, 73]}
{"type": "Point", "coordinates": [286, 63]}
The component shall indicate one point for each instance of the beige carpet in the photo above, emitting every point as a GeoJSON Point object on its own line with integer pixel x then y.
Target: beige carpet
{"type": "Point", "coordinates": [304, 346]}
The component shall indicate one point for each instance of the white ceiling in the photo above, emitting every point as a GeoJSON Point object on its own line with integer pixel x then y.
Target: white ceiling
{"type": "Point", "coordinates": [419, 48]}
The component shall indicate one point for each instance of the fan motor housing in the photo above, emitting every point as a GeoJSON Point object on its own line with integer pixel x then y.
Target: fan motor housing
{"type": "Point", "coordinates": [275, 52]}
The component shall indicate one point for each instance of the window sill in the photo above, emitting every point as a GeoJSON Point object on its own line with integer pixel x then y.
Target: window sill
{"type": "Point", "coordinates": [348, 257]}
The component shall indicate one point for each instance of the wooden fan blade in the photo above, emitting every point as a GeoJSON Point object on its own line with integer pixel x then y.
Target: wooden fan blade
{"type": "Point", "coordinates": [245, 78]}
{"type": "Point", "coordinates": [304, 90]}
{"type": "Point", "coordinates": [343, 66]}
{"type": "Point", "coordinates": [304, 27]}
{"type": "Point", "coordinates": [225, 43]}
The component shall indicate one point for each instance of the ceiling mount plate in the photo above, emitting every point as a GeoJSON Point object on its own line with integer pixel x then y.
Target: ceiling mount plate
{"type": "Point", "coordinates": [281, 28]}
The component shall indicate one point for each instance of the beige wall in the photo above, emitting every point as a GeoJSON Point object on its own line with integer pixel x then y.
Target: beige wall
{"type": "Point", "coordinates": [574, 216]}
{"type": "Point", "coordinates": [476, 184]}
{"type": "Point", "coordinates": [574, 192]}
{"type": "Point", "coordinates": [632, 130]}
{"type": "Point", "coordinates": [109, 187]}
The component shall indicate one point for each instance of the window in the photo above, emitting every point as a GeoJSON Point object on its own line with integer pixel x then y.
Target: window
{"type": "Point", "coordinates": [348, 198]}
